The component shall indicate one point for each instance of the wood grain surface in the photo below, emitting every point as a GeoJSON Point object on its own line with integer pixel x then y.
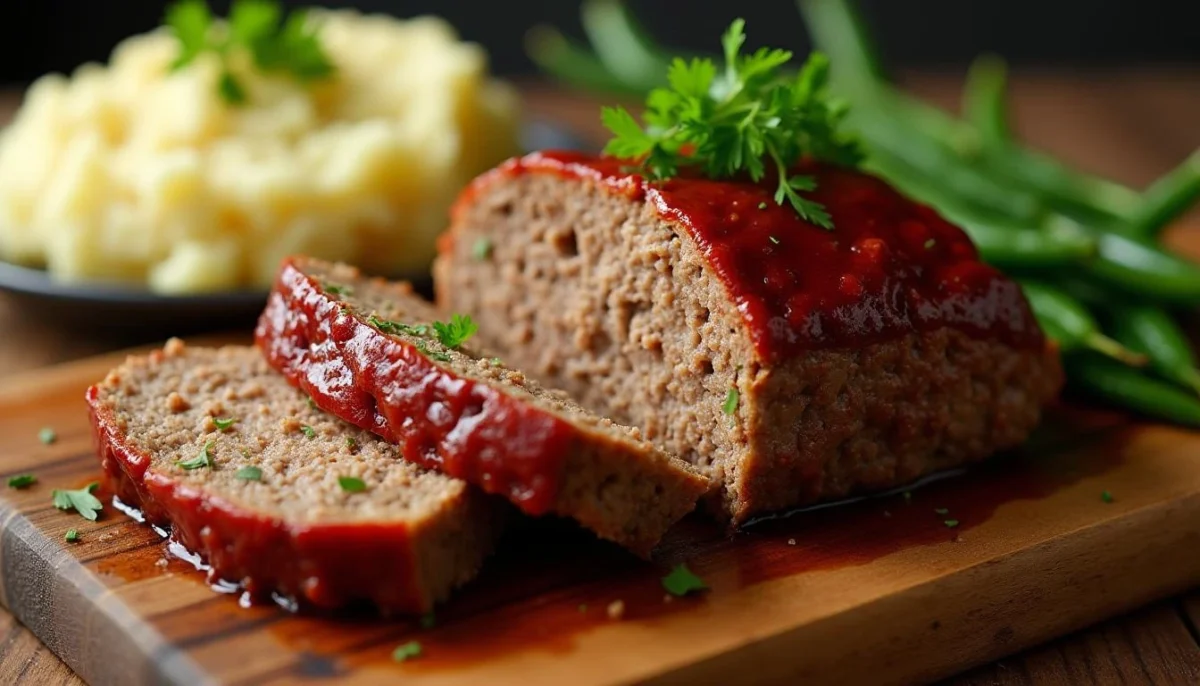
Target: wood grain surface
{"type": "Point", "coordinates": [1130, 125]}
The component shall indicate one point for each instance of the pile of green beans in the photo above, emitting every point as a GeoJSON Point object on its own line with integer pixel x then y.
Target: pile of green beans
{"type": "Point", "coordinates": [1085, 249]}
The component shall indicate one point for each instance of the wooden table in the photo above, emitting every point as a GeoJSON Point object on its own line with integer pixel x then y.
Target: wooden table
{"type": "Point", "coordinates": [1128, 125]}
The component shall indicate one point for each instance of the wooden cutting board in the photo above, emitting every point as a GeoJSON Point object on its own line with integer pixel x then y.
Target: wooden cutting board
{"type": "Point", "coordinates": [879, 591]}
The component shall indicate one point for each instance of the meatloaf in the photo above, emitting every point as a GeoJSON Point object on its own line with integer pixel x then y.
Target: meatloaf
{"type": "Point", "coordinates": [366, 350]}
{"type": "Point", "coordinates": [278, 496]}
{"type": "Point", "coordinates": [788, 362]}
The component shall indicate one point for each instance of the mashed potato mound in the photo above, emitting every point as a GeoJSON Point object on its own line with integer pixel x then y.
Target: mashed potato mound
{"type": "Point", "coordinates": [128, 172]}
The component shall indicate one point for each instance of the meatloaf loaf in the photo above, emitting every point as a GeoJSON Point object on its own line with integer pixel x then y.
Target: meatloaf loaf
{"type": "Point", "coordinates": [789, 362]}
{"type": "Point", "coordinates": [278, 496]}
{"type": "Point", "coordinates": [366, 350]}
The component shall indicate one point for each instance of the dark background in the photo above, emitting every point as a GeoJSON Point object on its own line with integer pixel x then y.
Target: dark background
{"type": "Point", "coordinates": [55, 35]}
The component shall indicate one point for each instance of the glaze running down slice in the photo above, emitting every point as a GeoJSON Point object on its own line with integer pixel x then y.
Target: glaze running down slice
{"type": "Point", "coordinates": [277, 495]}
{"type": "Point", "coordinates": [364, 349]}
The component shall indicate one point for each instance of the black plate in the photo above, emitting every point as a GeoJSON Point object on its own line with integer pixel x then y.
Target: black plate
{"type": "Point", "coordinates": [114, 307]}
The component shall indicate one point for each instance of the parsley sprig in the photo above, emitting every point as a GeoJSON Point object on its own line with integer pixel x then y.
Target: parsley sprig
{"type": "Point", "coordinates": [747, 118]}
{"type": "Point", "coordinates": [276, 44]}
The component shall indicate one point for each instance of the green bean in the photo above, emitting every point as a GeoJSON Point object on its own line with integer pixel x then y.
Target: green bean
{"type": "Point", "coordinates": [1069, 323]}
{"type": "Point", "coordinates": [1168, 197]}
{"type": "Point", "coordinates": [1000, 241]}
{"type": "Point", "coordinates": [1151, 330]}
{"type": "Point", "coordinates": [840, 33]}
{"type": "Point", "coordinates": [936, 161]}
{"type": "Point", "coordinates": [1130, 388]}
{"type": "Point", "coordinates": [622, 45]}
{"type": "Point", "coordinates": [983, 100]}
{"type": "Point", "coordinates": [572, 63]}
{"type": "Point", "coordinates": [1143, 270]}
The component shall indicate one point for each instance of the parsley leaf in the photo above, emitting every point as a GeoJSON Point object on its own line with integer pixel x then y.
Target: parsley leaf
{"type": "Point", "coordinates": [352, 484]}
{"type": "Point", "coordinates": [308, 431]}
{"type": "Point", "coordinates": [731, 402]}
{"type": "Point", "coordinates": [248, 473]}
{"type": "Point", "coordinates": [682, 581]}
{"type": "Point", "coordinates": [455, 332]}
{"type": "Point", "coordinates": [72, 536]}
{"type": "Point", "coordinates": [223, 423]}
{"type": "Point", "coordinates": [407, 651]}
{"type": "Point", "coordinates": [277, 45]}
{"type": "Point", "coordinates": [481, 249]}
{"type": "Point", "coordinates": [204, 459]}
{"type": "Point", "coordinates": [1106, 496]}
{"type": "Point", "coordinates": [749, 118]}
{"type": "Point", "coordinates": [21, 481]}
{"type": "Point", "coordinates": [396, 328]}
{"type": "Point", "coordinates": [82, 501]}
{"type": "Point", "coordinates": [47, 435]}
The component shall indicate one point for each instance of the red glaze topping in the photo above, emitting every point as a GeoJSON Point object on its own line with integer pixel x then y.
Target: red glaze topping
{"type": "Point", "coordinates": [889, 267]}
{"type": "Point", "coordinates": [440, 420]}
{"type": "Point", "coordinates": [322, 565]}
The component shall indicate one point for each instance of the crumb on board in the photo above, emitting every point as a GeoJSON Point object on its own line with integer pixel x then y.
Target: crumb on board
{"type": "Point", "coordinates": [616, 609]}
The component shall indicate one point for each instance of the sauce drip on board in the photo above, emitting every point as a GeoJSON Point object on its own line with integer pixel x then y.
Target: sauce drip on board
{"type": "Point", "coordinates": [889, 267]}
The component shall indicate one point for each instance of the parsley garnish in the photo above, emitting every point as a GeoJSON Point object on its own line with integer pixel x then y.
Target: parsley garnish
{"type": "Point", "coordinates": [455, 332]}
{"type": "Point", "coordinates": [285, 46]}
{"type": "Point", "coordinates": [773, 240]}
{"type": "Point", "coordinates": [352, 484]}
{"type": "Point", "coordinates": [481, 249]}
{"type": "Point", "coordinates": [308, 431]}
{"type": "Point", "coordinates": [72, 536]}
{"type": "Point", "coordinates": [396, 328]}
{"type": "Point", "coordinates": [731, 402]}
{"type": "Point", "coordinates": [47, 435]}
{"type": "Point", "coordinates": [204, 459]}
{"type": "Point", "coordinates": [225, 423]}
{"type": "Point", "coordinates": [248, 473]}
{"type": "Point", "coordinates": [738, 121]}
{"type": "Point", "coordinates": [334, 289]}
{"type": "Point", "coordinates": [21, 481]}
{"type": "Point", "coordinates": [82, 501]}
{"type": "Point", "coordinates": [407, 651]}
{"type": "Point", "coordinates": [1106, 496]}
{"type": "Point", "coordinates": [951, 523]}
{"type": "Point", "coordinates": [681, 581]}
{"type": "Point", "coordinates": [351, 443]}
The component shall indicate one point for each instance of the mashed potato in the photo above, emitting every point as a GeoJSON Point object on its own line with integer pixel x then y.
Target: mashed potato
{"type": "Point", "coordinates": [128, 172]}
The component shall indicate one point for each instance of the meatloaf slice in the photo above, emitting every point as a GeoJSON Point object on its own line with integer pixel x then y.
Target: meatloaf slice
{"type": "Point", "coordinates": [261, 499]}
{"type": "Point", "coordinates": [789, 362]}
{"type": "Point", "coordinates": [365, 350]}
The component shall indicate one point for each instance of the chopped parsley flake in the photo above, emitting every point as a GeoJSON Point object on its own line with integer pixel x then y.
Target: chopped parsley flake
{"type": "Point", "coordinates": [351, 443]}
{"type": "Point", "coordinates": [21, 481]}
{"type": "Point", "coordinates": [248, 473]}
{"type": "Point", "coordinates": [308, 431]}
{"type": "Point", "coordinates": [941, 511]}
{"type": "Point", "coordinates": [82, 501]}
{"type": "Point", "coordinates": [334, 289]}
{"type": "Point", "coordinates": [681, 581]}
{"type": "Point", "coordinates": [455, 332]}
{"type": "Point", "coordinates": [773, 240]}
{"type": "Point", "coordinates": [224, 423]}
{"type": "Point", "coordinates": [72, 536]}
{"type": "Point", "coordinates": [204, 459]}
{"type": "Point", "coordinates": [1106, 496]}
{"type": "Point", "coordinates": [930, 243]}
{"type": "Point", "coordinates": [432, 354]}
{"type": "Point", "coordinates": [731, 402]}
{"type": "Point", "coordinates": [352, 484]}
{"type": "Point", "coordinates": [396, 328]}
{"type": "Point", "coordinates": [481, 249]}
{"type": "Point", "coordinates": [407, 651]}
{"type": "Point", "coordinates": [47, 435]}
{"type": "Point", "coordinates": [762, 205]}
{"type": "Point", "coordinates": [428, 620]}
{"type": "Point", "coordinates": [496, 362]}
{"type": "Point", "coordinates": [951, 523]}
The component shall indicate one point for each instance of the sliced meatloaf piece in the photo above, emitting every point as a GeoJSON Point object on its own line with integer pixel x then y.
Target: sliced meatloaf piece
{"type": "Point", "coordinates": [366, 350]}
{"type": "Point", "coordinates": [277, 495]}
{"type": "Point", "coordinates": [789, 362]}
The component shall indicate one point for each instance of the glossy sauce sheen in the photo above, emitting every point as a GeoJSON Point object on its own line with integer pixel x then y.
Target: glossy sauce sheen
{"type": "Point", "coordinates": [889, 268]}
{"type": "Point", "coordinates": [322, 565]}
{"type": "Point", "coordinates": [383, 384]}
